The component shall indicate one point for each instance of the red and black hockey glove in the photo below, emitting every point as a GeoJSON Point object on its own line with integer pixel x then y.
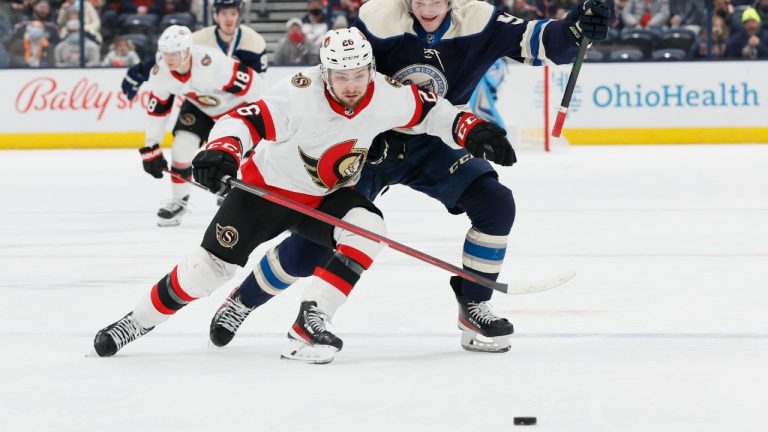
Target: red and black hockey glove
{"type": "Point", "coordinates": [483, 139]}
{"type": "Point", "coordinates": [219, 159]}
{"type": "Point", "coordinates": [153, 160]}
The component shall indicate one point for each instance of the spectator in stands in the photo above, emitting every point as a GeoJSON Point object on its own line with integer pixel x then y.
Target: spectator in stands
{"type": "Point", "coordinates": [751, 42]}
{"type": "Point", "coordinates": [645, 14]}
{"type": "Point", "coordinates": [40, 11]}
{"type": "Point", "coordinates": [340, 23]}
{"type": "Point", "coordinates": [348, 8]}
{"type": "Point", "coordinates": [121, 54]}
{"type": "Point", "coordinates": [32, 49]}
{"type": "Point", "coordinates": [523, 9]}
{"type": "Point", "coordinates": [687, 14]}
{"type": "Point", "coordinates": [762, 10]}
{"type": "Point", "coordinates": [70, 10]}
{"type": "Point", "coordinates": [5, 26]}
{"type": "Point", "coordinates": [67, 52]}
{"type": "Point", "coordinates": [313, 24]}
{"type": "Point", "coordinates": [292, 50]}
{"type": "Point", "coordinates": [720, 35]}
{"type": "Point", "coordinates": [724, 9]}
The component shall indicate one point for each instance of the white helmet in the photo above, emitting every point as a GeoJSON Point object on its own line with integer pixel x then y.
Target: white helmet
{"type": "Point", "coordinates": [346, 49]}
{"type": "Point", "coordinates": [175, 38]}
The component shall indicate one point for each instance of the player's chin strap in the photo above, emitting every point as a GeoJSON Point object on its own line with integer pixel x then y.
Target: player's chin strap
{"type": "Point", "coordinates": [515, 288]}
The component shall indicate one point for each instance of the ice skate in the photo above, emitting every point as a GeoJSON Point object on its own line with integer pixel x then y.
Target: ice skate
{"type": "Point", "coordinates": [482, 330]}
{"type": "Point", "coordinates": [309, 340]}
{"type": "Point", "coordinates": [170, 214]}
{"type": "Point", "coordinates": [228, 319]}
{"type": "Point", "coordinates": [110, 339]}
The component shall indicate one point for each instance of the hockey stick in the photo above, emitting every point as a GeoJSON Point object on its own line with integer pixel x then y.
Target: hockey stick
{"type": "Point", "coordinates": [560, 120]}
{"type": "Point", "coordinates": [517, 288]}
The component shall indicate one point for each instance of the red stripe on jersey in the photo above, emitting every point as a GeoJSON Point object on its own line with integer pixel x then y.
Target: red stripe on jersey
{"type": "Point", "coordinates": [155, 296]}
{"type": "Point", "coordinates": [183, 78]}
{"type": "Point", "coordinates": [252, 175]}
{"type": "Point", "coordinates": [342, 110]}
{"type": "Point", "coordinates": [355, 254]}
{"type": "Point", "coordinates": [419, 107]}
{"type": "Point", "coordinates": [338, 283]}
{"type": "Point", "coordinates": [269, 125]}
{"type": "Point", "coordinates": [177, 287]}
{"type": "Point", "coordinates": [255, 137]}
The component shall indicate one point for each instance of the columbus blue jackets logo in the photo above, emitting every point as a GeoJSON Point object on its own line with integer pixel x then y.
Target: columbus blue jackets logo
{"type": "Point", "coordinates": [423, 76]}
{"type": "Point", "coordinates": [337, 166]}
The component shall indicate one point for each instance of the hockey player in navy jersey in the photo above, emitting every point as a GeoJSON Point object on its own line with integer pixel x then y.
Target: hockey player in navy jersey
{"type": "Point", "coordinates": [445, 46]}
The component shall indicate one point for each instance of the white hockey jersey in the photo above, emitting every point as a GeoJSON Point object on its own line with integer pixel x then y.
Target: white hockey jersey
{"type": "Point", "coordinates": [215, 84]}
{"type": "Point", "coordinates": [307, 144]}
{"type": "Point", "coordinates": [247, 46]}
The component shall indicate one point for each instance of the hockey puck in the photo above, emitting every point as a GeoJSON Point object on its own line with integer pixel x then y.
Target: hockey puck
{"type": "Point", "coordinates": [525, 421]}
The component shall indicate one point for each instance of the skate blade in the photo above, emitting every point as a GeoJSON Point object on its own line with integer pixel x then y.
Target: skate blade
{"type": "Point", "coordinates": [311, 354]}
{"type": "Point", "coordinates": [472, 341]}
{"type": "Point", "coordinates": [169, 222]}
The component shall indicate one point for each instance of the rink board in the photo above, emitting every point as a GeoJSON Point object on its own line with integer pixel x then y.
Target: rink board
{"type": "Point", "coordinates": [644, 103]}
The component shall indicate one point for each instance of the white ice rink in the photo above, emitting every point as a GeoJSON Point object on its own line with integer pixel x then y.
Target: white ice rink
{"type": "Point", "coordinates": [664, 328]}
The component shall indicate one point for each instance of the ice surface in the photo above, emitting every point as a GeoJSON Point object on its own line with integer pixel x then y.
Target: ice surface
{"type": "Point", "coordinates": [664, 327]}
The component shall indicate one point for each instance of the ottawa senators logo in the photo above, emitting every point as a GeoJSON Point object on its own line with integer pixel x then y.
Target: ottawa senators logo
{"type": "Point", "coordinates": [206, 60]}
{"type": "Point", "coordinates": [227, 236]}
{"type": "Point", "coordinates": [337, 166]}
{"type": "Point", "coordinates": [300, 81]}
{"type": "Point", "coordinates": [155, 69]}
{"type": "Point", "coordinates": [204, 100]}
{"type": "Point", "coordinates": [187, 119]}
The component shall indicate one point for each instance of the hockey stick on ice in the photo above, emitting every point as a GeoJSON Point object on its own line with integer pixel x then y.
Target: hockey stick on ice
{"type": "Point", "coordinates": [560, 120]}
{"type": "Point", "coordinates": [516, 288]}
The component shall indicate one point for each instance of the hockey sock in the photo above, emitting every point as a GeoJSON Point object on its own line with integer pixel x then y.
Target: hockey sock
{"type": "Point", "coordinates": [196, 276]}
{"type": "Point", "coordinates": [267, 280]}
{"type": "Point", "coordinates": [166, 298]}
{"type": "Point", "coordinates": [179, 187]}
{"type": "Point", "coordinates": [332, 283]}
{"type": "Point", "coordinates": [491, 208]}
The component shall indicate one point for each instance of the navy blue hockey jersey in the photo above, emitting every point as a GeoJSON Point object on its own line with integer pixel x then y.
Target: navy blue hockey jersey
{"type": "Point", "coordinates": [452, 60]}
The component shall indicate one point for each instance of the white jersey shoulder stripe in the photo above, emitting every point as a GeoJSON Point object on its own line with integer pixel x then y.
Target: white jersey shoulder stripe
{"type": "Point", "coordinates": [251, 40]}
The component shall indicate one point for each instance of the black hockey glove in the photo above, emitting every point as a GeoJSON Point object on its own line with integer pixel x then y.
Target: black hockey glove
{"type": "Point", "coordinates": [153, 160]}
{"type": "Point", "coordinates": [589, 19]}
{"type": "Point", "coordinates": [483, 139]}
{"type": "Point", "coordinates": [135, 77]}
{"type": "Point", "coordinates": [220, 158]}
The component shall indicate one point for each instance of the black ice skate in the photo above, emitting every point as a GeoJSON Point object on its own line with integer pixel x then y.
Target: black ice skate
{"type": "Point", "coordinates": [481, 329]}
{"type": "Point", "coordinates": [228, 319]}
{"type": "Point", "coordinates": [110, 339]}
{"type": "Point", "coordinates": [309, 340]}
{"type": "Point", "coordinates": [170, 214]}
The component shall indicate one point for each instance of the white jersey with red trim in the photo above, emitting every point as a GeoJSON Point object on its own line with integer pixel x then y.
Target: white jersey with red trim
{"type": "Point", "coordinates": [307, 144]}
{"type": "Point", "coordinates": [215, 84]}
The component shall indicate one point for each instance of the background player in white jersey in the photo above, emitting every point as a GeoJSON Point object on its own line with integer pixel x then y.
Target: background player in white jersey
{"type": "Point", "coordinates": [232, 38]}
{"type": "Point", "coordinates": [212, 84]}
{"type": "Point", "coordinates": [310, 136]}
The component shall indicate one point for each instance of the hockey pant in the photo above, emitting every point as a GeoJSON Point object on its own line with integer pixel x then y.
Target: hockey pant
{"type": "Point", "coordinates": [242, 223]}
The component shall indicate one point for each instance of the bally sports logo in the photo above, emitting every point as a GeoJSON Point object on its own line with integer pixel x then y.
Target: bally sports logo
{"type": "Point", "coordinates": [337, 166]}
{"type": "Point", "coordinates": [48, 94]}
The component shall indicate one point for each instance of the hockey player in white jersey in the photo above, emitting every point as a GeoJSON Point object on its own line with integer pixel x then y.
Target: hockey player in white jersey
{"type": "Point", "coordinates": [212, 85]}
{"type": "Point", "coordinates": [310, 136]}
